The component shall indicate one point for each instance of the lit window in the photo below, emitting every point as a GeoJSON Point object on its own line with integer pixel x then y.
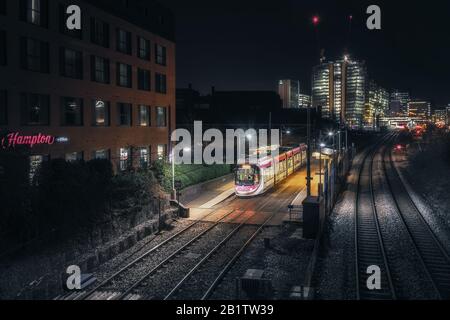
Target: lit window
{"type": "Point", "coordinates": [74, 156]}
{"type": "Point", "coordinates": [125, 159]}
{"type": "Point", "coordinates": [35, 163]}
{"type": "Point", "coordinates": [162, 151]}
{"type": "Point", "coordinates": [101, 154]}
{"type": "Point", "coordinates": [101, 113]}
{"type": "Point", "coordinates": [144, 116]}
{"type": "Point", "coordinates": [144, 157]}
{"type": "Point", "coordinates": [161, 118]}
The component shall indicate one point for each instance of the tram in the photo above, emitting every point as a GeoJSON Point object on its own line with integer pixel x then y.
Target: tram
{"type": "Point", "coordinates": [255, 179]}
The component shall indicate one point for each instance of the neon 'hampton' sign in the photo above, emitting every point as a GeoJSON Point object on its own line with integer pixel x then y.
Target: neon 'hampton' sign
{"type": "Point", "coordinates": [16, 139]}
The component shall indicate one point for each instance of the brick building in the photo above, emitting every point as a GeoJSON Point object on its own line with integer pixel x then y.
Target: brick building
{"type": "Point", "coordinates": [105, 91]}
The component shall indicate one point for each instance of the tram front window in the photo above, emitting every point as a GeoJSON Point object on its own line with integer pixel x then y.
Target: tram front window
{"type": "Point", "coordinates": [246, 176]}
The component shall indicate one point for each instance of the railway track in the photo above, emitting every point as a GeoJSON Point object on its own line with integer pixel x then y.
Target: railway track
{"type": "Point", "coordinates": [206, 275]}
{"type": "Point", "coordinates": [155, 283]}
{"type": "Point", "coordinates": [136, 266]}
{"type": "Point", "coordinates": [369, 245]}
{"type": "Point", "coordinates": [431, 253]}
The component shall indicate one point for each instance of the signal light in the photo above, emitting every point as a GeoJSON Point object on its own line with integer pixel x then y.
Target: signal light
{"type": "Point", "coordinates": [315, 20]}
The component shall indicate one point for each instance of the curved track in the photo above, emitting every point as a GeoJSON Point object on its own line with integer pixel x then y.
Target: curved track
{"type": "Point", "coordinates": [430, 251]}
{"type": "Point", "coordinates": [369, 246]}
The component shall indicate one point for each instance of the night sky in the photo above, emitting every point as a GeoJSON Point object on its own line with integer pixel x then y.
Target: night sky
{"type": "Point", "coordinates": [250, 44]}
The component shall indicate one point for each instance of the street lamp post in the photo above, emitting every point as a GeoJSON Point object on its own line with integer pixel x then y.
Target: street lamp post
{"type": "Point", "coordinates": [333, 135]}
{"type": "Point", "coordinates": [288, 132]}
{"type": "Point", "coordinates": [172, 155]}
{"type": "Point", "coordinates": [320, 167]}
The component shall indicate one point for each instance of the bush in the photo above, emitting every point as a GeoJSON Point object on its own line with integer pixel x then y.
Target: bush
{"type": "Point", "coordinates": [72, 195]}
{"type": "Point", "coordinates": [188, 174]}
{"type": "Point", "coordinates": [133, 187]}
{"type": "Point", "coordinates": [16, 217]}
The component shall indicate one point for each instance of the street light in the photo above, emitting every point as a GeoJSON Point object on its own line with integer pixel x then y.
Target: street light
{"type": "Point", "coordinates": [322, 145]}
{"type": "Point", "coordinates": [187, 149]}
{"type": "Point", "coordinates": [281, 134]}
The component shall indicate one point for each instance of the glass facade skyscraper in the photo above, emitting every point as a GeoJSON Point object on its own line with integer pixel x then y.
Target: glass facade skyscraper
{"type": "Point", "coordinates": [339, 88]}
{"type": "Point", "coordinates": [322, 89]}
{"type": "Point", "coordinates": [377, 104]}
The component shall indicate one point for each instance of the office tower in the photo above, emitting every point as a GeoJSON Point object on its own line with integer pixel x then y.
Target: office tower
{"type": "Point", "coordinates": [398, 104]}
{"type": "Point", "coordinates": [419, 109]}
{"type": "Point", "coordinates": [339, 89]}
{"type": "Point", "coordinates": [377, 104]}
{"type": "Point", "coordinates": [322, 89]}
{"type": "Point", "coordinates": [289, 91]}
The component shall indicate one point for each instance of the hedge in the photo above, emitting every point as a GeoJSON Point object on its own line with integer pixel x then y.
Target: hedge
{"type": "Point", "coordinates": [189, 174]}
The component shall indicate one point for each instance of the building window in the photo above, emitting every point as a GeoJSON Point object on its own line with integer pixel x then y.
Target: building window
{"type": "Point", "coordinates": [34, 11]}
{"type": "Point", "coordinates": [160, 53]}
{"type": "Point", "coordinates": [160, 83]}
{"type": "Point", "coordinates": [101, 112]}
{"type": "Point", "coordinates": [100, 70]}
{"type": "Point", "coordinates": [99, 32]}
{"type": "Point", "coordinates": [3, 108]}
{"type": "Point", "coordinates": [34, 55]}
{"type": "Point", "coordinates": [3, 54]}
{"type": "Point", "coordinates": [35, 163]}
{"type": "Point", "coordinates": [124, 111]}
{"type": "Point", "coordinates": [144, 116]}
{"type": "Point", "coordinates": [71, 63]}
{"type": "Point", "coordinates": [144, 157]}
{"type": "Point", "coordinates": [124, 75]}
{"type": "Point", "coordinates": [103, 154]}
{"type": "Point", "coordinates": [144, 80]}
{"type": "Point", "coordinates": [34, 109]}
{"type": "Point", "coordinates": [2, 6]}
{"type": "Point", "coordinates": [63, 16]}
{"type": "Point", "coordinates": [123, 41]}
{"type": "Point", "coordinates": [74, 156]}
{"type": "Point", "coordinates": [125, 159]}
{"type": "Point", "coordinates": [162, 151]}
{"type": "Point", "coordinates": [71, 112]}
{"type": "Point", "coordinates": [161, 118]}
{"type": "Point", "coordinates": [143, 48]}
